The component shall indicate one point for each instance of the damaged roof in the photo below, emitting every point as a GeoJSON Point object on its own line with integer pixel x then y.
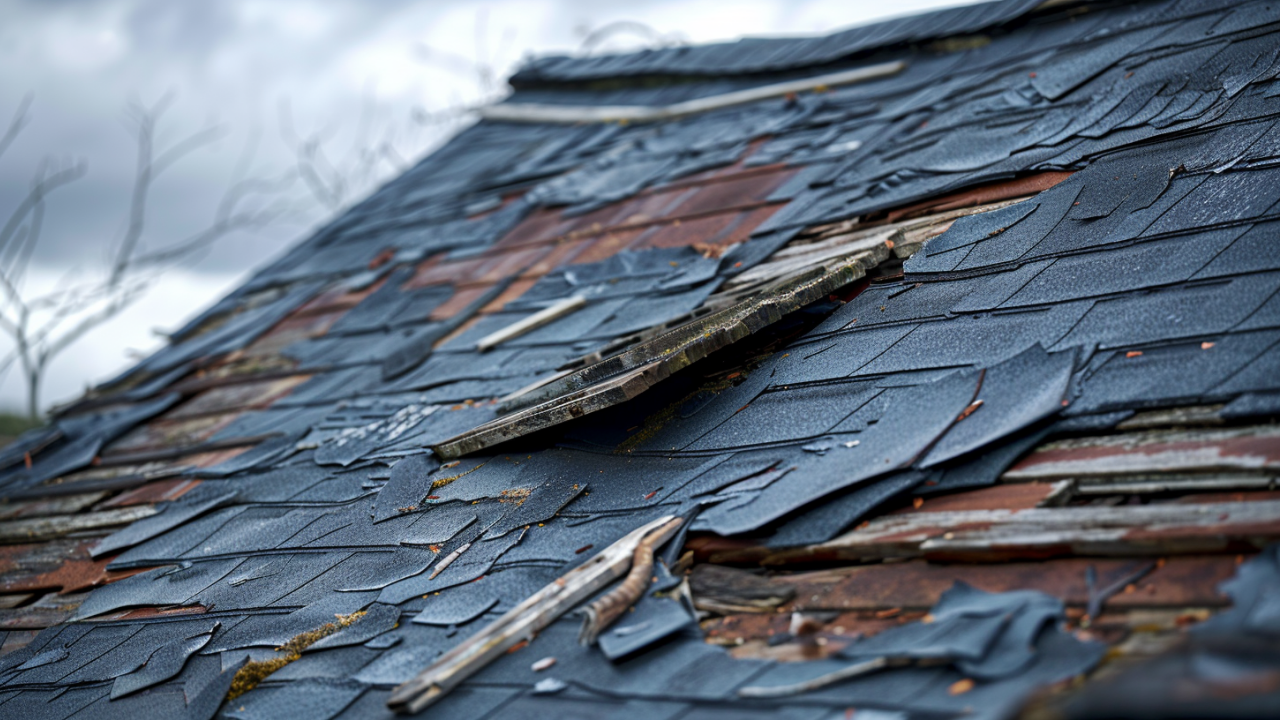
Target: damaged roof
{"type": "Point", "coordinates": [928, 369]}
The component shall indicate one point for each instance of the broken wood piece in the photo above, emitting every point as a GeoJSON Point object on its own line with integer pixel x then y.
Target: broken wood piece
{"type": "Point", "coordinates": [531, 323]}
{"type": "Point", "coordinates": [1176, 417]}
{"type": "Point", "coordinates": [48, 528]}
{"type": "Point", "coordinates": [603, 612]}
{"type": "Point", "coordinates": [448, 560]}
{"type": "Point", "coordinates": [852, 671]}
{"type": "Point", "coordinates": [1157, 454]}
{"type": "Point", "coordinates": [726, 590]}
{"type": "Point", "coordinates": [574, 114]}
{"type": "Point", "coordinates": [626, 375]}
{"type": "Point", "coordinates": [1036, 533]}
{"type": "Point", "coordinates": [799, 258]}
{"type": "Point", "coordinates": [522, 622]}
{"type": "Point", "coordinates": [1172, 483]}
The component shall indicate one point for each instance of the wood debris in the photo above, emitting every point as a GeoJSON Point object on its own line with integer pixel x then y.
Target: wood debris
{"type": "Point", "coordinates": [522, 622]}
{"type": "Point", "coordinates": [602, 613]}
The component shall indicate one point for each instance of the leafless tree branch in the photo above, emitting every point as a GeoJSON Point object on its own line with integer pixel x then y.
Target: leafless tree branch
{"type": "Point", "coordinates": [43, 327]}
{"type": "Point", "coordinates": [16, 125]}
{"type": "Point", "coordinates": [45, 182]}
{"type": "Point", "coordinates": [149, 166]}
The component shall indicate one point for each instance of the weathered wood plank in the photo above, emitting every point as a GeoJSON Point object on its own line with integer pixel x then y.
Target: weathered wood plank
{"type": "Point", "coordinates": [630, 373]}
{"type": "Point", "coordinates": [574, 114]}
{"type": "Point", "coordinates": [531, 323]}
{"type": "Point", "coordinates": [1254, 450]}
{"type": "Point", "coordinates": [998, 535]}
{"type": "Point", "coordinates": [48, 528]}
{"type": "Point", "coordinates": [524, 621]}
{"type": "Point", "coordinates": [1188, 581]}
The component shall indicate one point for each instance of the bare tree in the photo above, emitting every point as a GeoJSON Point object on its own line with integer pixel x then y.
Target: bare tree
{"type": "Point", "coordinates": [335, 183]}
{"type": "Point", "coordinates": [336, 179]}
{"type": "Point", "coordinates": [44, 326]}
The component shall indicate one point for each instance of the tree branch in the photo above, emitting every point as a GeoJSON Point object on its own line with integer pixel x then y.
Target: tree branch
{"type": "Point", "coordinates": [41, 186]}
{"type": "Point", "coordinates": [19, 121]}
{"type": "Point", "coordinates": [185, 147]}
{"type": "Point", "coordinates": [45, 326]}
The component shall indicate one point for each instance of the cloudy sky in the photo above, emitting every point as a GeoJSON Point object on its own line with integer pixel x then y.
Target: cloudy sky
{"type": "Point", "coordinates": [367, 81]}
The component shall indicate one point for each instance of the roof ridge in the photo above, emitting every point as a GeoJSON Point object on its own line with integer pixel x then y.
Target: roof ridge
{"type": "Point", "coordinates": [752, 55]}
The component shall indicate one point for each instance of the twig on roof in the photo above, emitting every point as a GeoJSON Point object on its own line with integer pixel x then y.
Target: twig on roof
{"type": "Point", "coordinates": [522, 622]}
{"type": "Point", "coordinates": [603, 612]}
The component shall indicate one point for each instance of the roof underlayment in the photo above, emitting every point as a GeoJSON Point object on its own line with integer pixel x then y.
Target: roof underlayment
{"type": "Point", "coordinates": [944, 390]}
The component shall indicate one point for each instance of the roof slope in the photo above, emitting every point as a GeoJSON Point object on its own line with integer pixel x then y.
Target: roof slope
{"type": "Point", "coordinates": [959, 379]}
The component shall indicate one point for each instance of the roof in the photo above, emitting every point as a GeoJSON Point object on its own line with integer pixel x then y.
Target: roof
{"type": "Point", "coordinates": [944, 389]}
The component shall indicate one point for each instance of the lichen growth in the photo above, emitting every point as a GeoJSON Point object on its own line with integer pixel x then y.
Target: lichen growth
{"type": "Point", "coordinates": [514, 495]}
{"type": "Point", "coordinates": [254, 672]}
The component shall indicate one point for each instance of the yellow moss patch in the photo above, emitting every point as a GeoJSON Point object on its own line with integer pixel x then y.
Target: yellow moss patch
{"type": "Point", "coordinates": [254, 672]}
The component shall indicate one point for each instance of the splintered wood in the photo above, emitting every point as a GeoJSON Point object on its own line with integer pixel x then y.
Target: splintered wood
{"type": "Point", "coordinates": [805, 271]}
{"type": "Point", "coordinates": [999, 535]}
{"type": "Point", "coordinates": [602, 613]}
{"type": "Point", "coordinates": [521, 623]}
{"type": "Point", "coordinates": [630, 373]}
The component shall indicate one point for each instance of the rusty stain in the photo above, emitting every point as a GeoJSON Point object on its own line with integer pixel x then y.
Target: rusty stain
{"type": "Point", "coordinates": [917, 585]}
{"type": "Point", "coordinates": [243, 395]}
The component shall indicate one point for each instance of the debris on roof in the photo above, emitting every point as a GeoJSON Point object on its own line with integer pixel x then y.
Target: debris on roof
{"type": "Point", "coordinates": [953, 389]}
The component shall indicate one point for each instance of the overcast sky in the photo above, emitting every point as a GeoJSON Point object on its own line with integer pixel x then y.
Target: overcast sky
{"type": "Point", "coordinates": [236, 63]}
